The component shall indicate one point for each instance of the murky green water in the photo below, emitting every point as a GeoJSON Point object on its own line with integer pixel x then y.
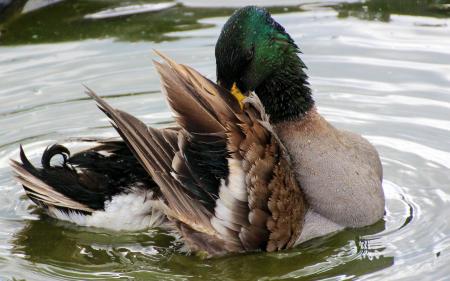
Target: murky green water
{"type": "Point", "coordinates": [381, 69]}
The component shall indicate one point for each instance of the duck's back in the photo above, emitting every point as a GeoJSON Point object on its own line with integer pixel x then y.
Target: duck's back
{"type": "Point", "coordinates": [340, 172]}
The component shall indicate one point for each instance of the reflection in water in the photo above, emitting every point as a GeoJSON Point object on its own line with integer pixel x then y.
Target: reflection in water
{"type": "Point", "coordinates": [54, 243]}
{"type": "Point", "coordinates": [62, 246]}
{"type": "Point", "coordinates": [382, 10]}
{"type": "Point", "coordinates": [130, 10]}
{"type": "Point", "coordinates": [79, 20]}
{"type": "Point", "coordinates": [75, 22]}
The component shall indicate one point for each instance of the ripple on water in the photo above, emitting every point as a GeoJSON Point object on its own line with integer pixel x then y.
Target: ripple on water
{"type": "Point", "coordinates": [386, 80]}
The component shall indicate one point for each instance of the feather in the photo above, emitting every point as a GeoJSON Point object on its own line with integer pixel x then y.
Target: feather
{"type": "Point", "coordinates": [156, 156]}
{"type": "Point", "coordinates": [43, 193]}
{"type": "Point", "coordinates": [225, 177]}
{"type": "Point", "coordinates": [86, 180]}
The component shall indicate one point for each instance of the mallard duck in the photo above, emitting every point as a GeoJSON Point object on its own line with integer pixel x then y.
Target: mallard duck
{"type": "Point", "coordinates": [252, 165]}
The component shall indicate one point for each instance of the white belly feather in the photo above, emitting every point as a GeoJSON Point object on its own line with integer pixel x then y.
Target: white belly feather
{"type": "Point", "coordinates": [127, 211]}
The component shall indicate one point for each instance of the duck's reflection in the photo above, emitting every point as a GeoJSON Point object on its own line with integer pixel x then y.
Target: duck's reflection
{"type": "Point", "coordinates": [48, 241]}
{"type": "Point", "coordinates": [66, 246]}
{"type": "Point", "coordinates": [347, 253]}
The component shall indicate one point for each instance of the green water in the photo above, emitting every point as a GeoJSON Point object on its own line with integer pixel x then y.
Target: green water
{"type": "Point", "coordinates": [380, 68]}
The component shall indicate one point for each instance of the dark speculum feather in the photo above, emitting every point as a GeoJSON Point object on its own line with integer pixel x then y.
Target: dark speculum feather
{"type": "Point", "coordinates": [208, 164]}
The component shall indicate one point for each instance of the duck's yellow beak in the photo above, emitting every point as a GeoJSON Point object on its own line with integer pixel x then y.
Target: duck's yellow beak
{"type": "Point", "coordinates": [237, 94]}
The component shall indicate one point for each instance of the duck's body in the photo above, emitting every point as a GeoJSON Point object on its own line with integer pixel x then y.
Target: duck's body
{"type": "Point", "coordinates": [265, 172]}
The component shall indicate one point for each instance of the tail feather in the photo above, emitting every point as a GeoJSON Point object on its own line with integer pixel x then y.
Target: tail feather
{"type": "Point", "coordinates": [39, 191]}
{"type": "Point", "coordinates": [85, 181]}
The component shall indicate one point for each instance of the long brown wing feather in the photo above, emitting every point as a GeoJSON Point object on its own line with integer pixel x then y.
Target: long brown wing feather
{"type": "Point", "coordinates": [258, 203]}
{"type": "Point", "coordinates": [156, 156]}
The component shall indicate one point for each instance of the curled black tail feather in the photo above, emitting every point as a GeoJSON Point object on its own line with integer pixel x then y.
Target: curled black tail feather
{"type": "Point", "coordinates": [88, 178]}
{"type": "Point", "coordinates": [52, 151]}
{"type": "Point", "coordinates": [63, 179]}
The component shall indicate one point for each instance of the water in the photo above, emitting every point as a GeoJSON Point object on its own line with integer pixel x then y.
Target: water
{"type": "Point", "coordinates": [381, 68]}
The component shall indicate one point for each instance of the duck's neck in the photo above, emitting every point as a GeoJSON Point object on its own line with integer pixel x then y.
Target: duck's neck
{"type": "Point", "coordinates": [286, 95]}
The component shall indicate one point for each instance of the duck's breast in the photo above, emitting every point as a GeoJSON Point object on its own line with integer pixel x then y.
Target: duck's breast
{"type": "Point", "coordinates": [339, 172]}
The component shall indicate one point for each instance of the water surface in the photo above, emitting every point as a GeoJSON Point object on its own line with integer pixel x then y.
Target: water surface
{"type": "Point", "coordinates": [379, 68]}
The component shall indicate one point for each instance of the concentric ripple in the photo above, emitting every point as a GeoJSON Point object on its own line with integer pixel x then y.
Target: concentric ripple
{"type": "Point", "coordinates": [387, 79]}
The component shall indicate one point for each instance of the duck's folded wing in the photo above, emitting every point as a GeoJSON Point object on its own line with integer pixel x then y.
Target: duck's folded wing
{"type": "Point", "coordinates": [225, 177]}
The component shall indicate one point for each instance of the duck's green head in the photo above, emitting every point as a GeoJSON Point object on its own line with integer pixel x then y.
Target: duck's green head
{"type": "Point", "coordinates": [251, 46]}
{"type": "Point", "coordinates": [255, 53]}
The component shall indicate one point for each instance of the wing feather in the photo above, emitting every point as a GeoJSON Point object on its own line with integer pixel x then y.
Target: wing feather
{"type": "Point", "coordinates": [243, 210]}
{"type": "Point", "coordinates": [156, 157]}
{"type": "Point", "coordinates": [225, 176]}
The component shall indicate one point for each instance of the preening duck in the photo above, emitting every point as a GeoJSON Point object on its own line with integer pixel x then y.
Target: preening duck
{"type": "Point", "coordinates": [252, 165]}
